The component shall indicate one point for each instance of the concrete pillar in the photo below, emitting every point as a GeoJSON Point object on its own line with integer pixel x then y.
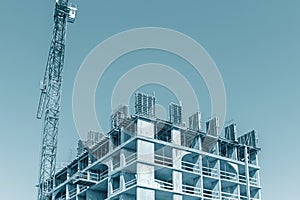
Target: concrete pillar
{"type": "Point", "coordinates": [89, 160]}
{"type": "Point", "coordinates": [68, 173]}
{"type": "Point", "coordinates": [199, 143]}
{"type": "Point", "coordinates": [199, 163]}
{"type": "Point", "coordinates": [77, 190]}
{"type": "Point", "coordinates": [177, 157]}
{"type": "Point", "coordinates": [109, 187]}
{"type": "Point", "coordinates": [122, 182]}
{"type": "Point", "coordinates": [258, 179]}
{"type": "Point", "coordinates": [256, 159]}
{"type": "Point", "coordinates": [145, 172]}
{"type": "Point", "coordinates": [88, 175]}
{"type": "Point", "coordinates": [67, 191]}
{"type": "Point", "coordinates": [177, 197]}
{"type": "Point", "coordinates": [53, 195]}
{"type": "Point", "coordinates": [199, 182]}
{"type": "Point", "coordinates": [247, 171]}
{"type": "Point", "coordinates": [176, 137]}
{"type": "Point", "coordinates": [145, 128]}
{"type": "Point", "coordinates": [122, 135]}
{"type": "Point", "coordinates": [145, 151]}
{"type": "Point", "coordinates": [217, 148]}
{"type": "Point", "coordinates": [143, 193]}
{"type": "Point", "coordinates": [127, 197]}
{"type": "Point", "coordinates": [235, 152]}
{"type": "Point", "coordinates": [145, 175]}
{"type": "Point", "coordinates": [219, 181]}
{"type": "Point", "coordinates": [177, 181]}
{"type": "Point", "coordinates": [239, 191]}
{"type": "Point", "coordinates": [122, 158]}
{"type": "Point", "coordinates": [109, 164]}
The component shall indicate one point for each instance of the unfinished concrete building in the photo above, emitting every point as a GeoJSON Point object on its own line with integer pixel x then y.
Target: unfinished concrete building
{"type": "Point", "coordinates": [146, 158]}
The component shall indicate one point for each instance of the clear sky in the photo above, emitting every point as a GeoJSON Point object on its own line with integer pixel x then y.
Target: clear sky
{"type": "Point", "coordinates": [254, 43]}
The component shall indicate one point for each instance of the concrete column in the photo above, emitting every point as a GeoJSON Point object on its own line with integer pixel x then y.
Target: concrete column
{"type": "Point", "coordinates": [235, 153]}
{"type": "Point", "coordinates": [200, 181]}
{"type": "Point", "coordinates": [256, 159]}
{"type": "Point", "coordinates": [217, 147]}
{"type": "Point", "coordinates": [145, 172]}
{"type": "Point", "coordinates": [259, 193]}
{"type": "Point", "coordinates": [219, 181]}
{"type": "Point", "coordinates": [258, 179]}
{"type": "Point", "coordinates": [176, 137]}
{"type": "Point", "coordinates": [247, 171]}
{"type": "Point", "coordinates": [68, 173]}
{"type": "Point", "coordinates": [199, 163]}
{"type": "Point", "coordinates": [122, 135]}
{"type": "Point", "coordinates": [239, 191]}
{"type": "Point", "coordinates": [53, 195]}
{"type": "Point", "coordinates": [109, 187]}
{"type": "Point", "coordinates": [127, 197]}
{"type": "Point", "coordinates": [122, 182]}
{"type": "Point", "coordinates": [145, 151]}
{"type": "Point", "coordinates": [77, 189]}
{"type": "Point", "coordinates": [142, 194]}
{"type": "Point", "coordinates": [177, 157]}
{"type": "Point", "coordinates": [199, 143]}
{"type": "Point", "coordinates": [177, 181]}
{"type": "Point", "coordinates": [89, 160]}
{"type": "Point", "coordinates": [177, 197]}
{"type": "Point", "coordinates": [110, 165]}
{"type": "Point", "coordinates": [88, 175]}
{"type": "Point", "coordinates": [145, 175]}
{"type": "Point", "coordinates": [122, 158]}
{"type": "Point", "coordinates": [145, 128]}
{"type": "Point", "coordinates": [67, 191]}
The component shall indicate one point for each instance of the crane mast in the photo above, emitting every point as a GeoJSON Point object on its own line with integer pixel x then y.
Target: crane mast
{"type": "Point", "coordinates": [50, 98]}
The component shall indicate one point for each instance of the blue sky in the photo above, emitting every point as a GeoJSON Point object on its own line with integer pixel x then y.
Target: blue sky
{"type": "Point", "coordinates": [255, 45]}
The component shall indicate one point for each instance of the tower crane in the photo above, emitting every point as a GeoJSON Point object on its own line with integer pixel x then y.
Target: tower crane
{"type": "Point", "coordinates": [50, 98]}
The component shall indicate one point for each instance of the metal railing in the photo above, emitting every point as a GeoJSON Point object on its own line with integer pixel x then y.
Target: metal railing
{"type": "Point", "coordinates": [163, 160]}
{"type": "Point", "coordinates": [130, 183]}
{"type": "Point", "coordinates": [163, 184]}
{"type": "Point", "coordinates": [253, 181]}
{"type": "Point", "coordinates": [229, 196]}
{"type": "Point", "coordinates": [242, 178]}
{"type": "Point", "coordinates": [208, 171]}
{"type": "Point", "coordinates": [131, 158]}
{"type": "Point", "coordinates": [72, 193]}
{"type": "Point", "coordinates": [243, 197]}
{"type": "Point", "coordinates": [92, 176]}
{"type": "Point", "coordinates": [228, 175]}
{"type": "Point", "coordinates": [188, 189]}
{"type": "Point", "coordinates": [82, 188]}
{"type": "Point", "coordinates": [246, 198]}
{"type": "Point", "coordinates": [62, 197]}
{"type": "Point", "coordinates": [188, 166]}
{"type": "Point", "coordinates": [98, 176]}
{"type": "Point", "coordinates": [116, 165]}
{"type": "Point", "coordinates": [210, 194]}
{"type": "Point", "coordinates": [116, 190]}
{"type": "Point", "coordinates": [82, 175]}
